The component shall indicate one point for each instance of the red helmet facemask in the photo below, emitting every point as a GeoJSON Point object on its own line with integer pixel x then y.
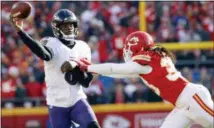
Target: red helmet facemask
{"type": "Point", "coordinates": [136, 42]}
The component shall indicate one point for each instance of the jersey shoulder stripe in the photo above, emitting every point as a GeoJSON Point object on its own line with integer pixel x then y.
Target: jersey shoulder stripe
{"type": "Point", "coordinates": [141, 57]}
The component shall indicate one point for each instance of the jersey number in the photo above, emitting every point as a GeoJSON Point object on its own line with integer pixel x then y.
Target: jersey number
{"type": "Point", "coordinates": [172, 72]}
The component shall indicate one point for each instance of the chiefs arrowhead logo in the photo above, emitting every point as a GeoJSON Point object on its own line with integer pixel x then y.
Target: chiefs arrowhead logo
{"type": "Point", "coordinates": [116, 121]}
{"type": "Point", "coordinates": [133, 41]}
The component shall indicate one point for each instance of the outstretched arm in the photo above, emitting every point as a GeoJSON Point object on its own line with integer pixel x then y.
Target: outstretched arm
{"type": "Point", "coordinates": [37, 48]}
{"type": "Point", "coordinates": [121, 76]}
{"type": "Point", "coordinates": [122, 70]}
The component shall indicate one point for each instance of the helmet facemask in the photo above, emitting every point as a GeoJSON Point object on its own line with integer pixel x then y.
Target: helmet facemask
{"type": "Point", "coordinates": [65, 30]}
{"type": "Point", "coordinates": [127, 54]}
{"type": "Point", "coordinates": [131, 44]}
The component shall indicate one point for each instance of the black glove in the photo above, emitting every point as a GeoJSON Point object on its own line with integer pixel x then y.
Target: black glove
{"type": "Point", "coordinates": [85, 79]}
{"type": "Point", "coordinates": [72, 76]}
{"type": "Point", "coordinates": [76, 75]}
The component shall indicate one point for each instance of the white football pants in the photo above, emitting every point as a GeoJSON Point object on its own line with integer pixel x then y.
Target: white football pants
{"type": "Point", "coordinates": [194, 105]}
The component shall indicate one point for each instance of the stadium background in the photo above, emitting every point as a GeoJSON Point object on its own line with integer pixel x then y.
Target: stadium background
{"type": "Point", "coordinates": [186, 28]}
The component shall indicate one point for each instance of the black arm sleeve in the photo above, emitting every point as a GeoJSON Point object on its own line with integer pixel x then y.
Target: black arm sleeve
{"type": "Point", "coordinates": [41, 51]}
{"type": "Point", "coordinates": [86, 79]}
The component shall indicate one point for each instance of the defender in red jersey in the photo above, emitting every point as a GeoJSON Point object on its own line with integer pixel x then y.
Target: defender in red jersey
{"type": "Point", "coordinates": [154, 65]}
{"type": "Point", "coordinates": [164, 79]}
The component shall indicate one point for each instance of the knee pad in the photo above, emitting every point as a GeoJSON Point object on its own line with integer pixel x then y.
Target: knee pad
{"type": "Point", "coordinates": [93, 124]}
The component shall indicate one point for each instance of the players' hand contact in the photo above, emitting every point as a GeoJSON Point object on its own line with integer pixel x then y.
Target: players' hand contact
{"type": "Point", "coordinates": [83, 64]}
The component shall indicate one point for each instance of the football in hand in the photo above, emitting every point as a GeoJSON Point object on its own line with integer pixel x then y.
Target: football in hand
{"type": "Point", "coordinates": [21, 10]}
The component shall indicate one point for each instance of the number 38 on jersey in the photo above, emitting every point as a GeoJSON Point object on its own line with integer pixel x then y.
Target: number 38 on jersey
{"type": "Point", "coordinates": [173, 74]}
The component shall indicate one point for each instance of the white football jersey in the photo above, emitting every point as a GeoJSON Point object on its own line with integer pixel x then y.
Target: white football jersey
{"type": "Point", "coordinates": [59, 92]}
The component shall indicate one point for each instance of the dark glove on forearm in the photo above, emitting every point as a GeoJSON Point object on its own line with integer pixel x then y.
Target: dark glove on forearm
{"type": "Point", "coordinates": [72, 77]}
{"type": "Point", "coordinates": [77, 76]}
{"type": "Point", "coordinates": [85, 79]}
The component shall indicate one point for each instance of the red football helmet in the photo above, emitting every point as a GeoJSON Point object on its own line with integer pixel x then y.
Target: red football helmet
{"type": "Point", "coordinates": [136, 42]}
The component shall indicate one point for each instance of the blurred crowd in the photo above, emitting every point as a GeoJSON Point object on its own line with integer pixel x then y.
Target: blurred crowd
{"type": "Point", "coordinates": [180, 21]}
{"type": "Point", "coordinates": [104, 26]}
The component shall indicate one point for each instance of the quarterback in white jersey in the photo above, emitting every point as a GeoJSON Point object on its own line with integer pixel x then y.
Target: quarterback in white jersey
{"type": "Point", "coordinates": [64, 80]}
{"type": "Point", "coordinates": [59, 92]}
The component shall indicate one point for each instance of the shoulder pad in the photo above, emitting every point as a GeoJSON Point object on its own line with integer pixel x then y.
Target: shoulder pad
{"type": "Point", "coordinates": [80, 41]}
{"type": "Point", "coordinates": [46, 40]}
{"type": "Point", "coordinates": [142, 57]}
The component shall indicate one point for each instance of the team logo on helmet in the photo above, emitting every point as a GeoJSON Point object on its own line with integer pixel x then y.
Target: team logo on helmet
{"type": "Point", "coordinates": [133, 41]}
